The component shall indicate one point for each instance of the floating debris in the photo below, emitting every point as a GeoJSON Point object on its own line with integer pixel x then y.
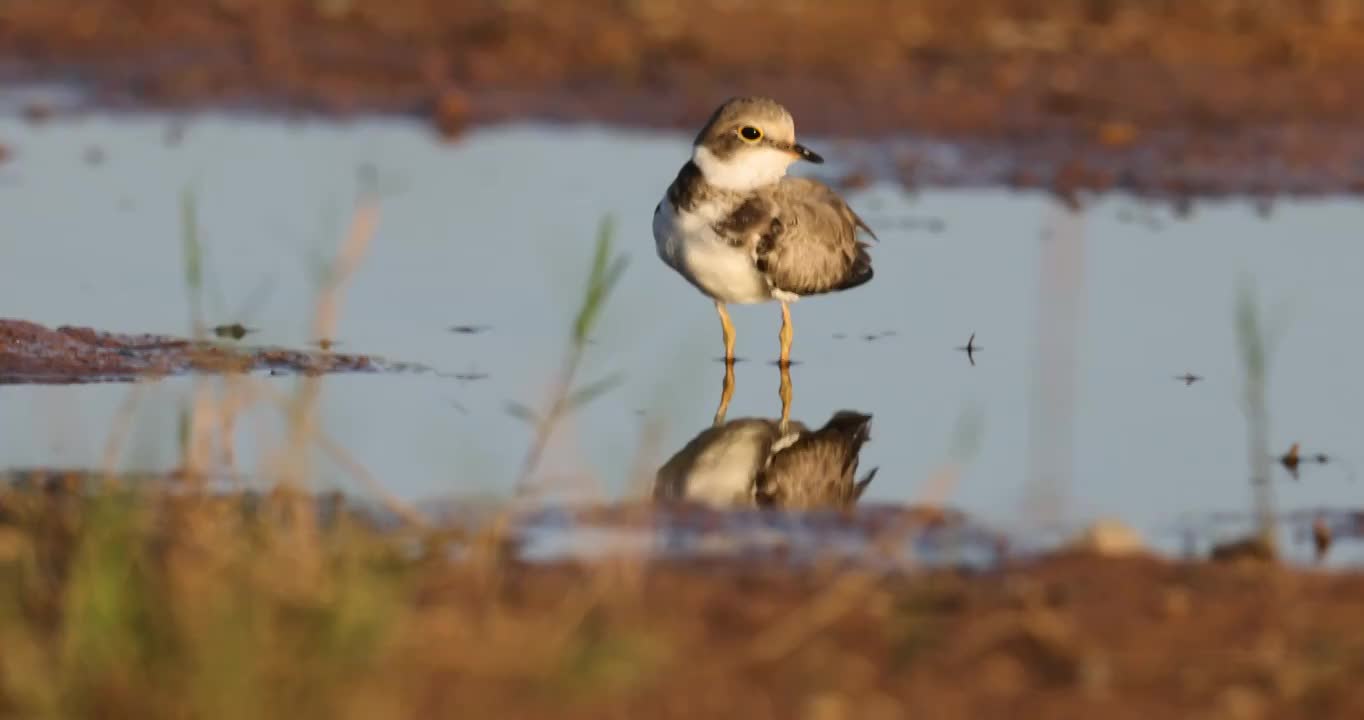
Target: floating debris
{"type": "Point", "coordinates": [470, 329]}
{"type": "Point", "coordinates": [234, 331]}
{"type": "Point", "coordinates": [970, 348]}
{"type": "Point", "coordinates": [1290, 460]}
{"type": "Point", "coordinates": [1294, 459]}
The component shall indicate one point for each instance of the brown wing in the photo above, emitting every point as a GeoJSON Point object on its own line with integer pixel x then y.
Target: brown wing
{"type": "Point", "coordinates": [811, 247]}
{"type": "Point", "coordinates": [818, 470]}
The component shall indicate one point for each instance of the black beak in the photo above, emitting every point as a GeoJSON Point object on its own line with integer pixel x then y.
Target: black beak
{"type": "Point", "coordinates": [806, 153]}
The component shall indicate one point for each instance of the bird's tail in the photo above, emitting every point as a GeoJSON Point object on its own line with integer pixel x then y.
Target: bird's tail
{"type": "Point", "coordinates": [861, 271]}
{"type": "Point", "coordinates": [862, 484]}
{"type": "Point", "coordinates": [854, 428]}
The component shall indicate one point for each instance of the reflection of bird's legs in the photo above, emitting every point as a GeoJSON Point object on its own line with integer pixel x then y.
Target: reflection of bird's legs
{"type": "Point", "coordinates": [786, 334]}
{"type": "Point", "coordinates": [728, 328]}
{"type": "Point", "coordinates": [785, 393]}
{"type": "Point", "coordinates": [726, 392]}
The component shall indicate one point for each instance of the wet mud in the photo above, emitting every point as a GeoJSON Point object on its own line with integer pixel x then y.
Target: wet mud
{"type": "Point", "coordinates": [32, 353]}
{"type": "Point", "coordinates": [895, 537]}
{"type": "Point", "coordinates": [1056, 635]}
{"type": "Point", "coordinates": [1066, 637]}
{"type": "Point", "coordinates": [1166, 98]}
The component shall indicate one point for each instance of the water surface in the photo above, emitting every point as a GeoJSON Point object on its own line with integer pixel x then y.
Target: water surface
{"type": "Point", "coordinates": [497, 229]}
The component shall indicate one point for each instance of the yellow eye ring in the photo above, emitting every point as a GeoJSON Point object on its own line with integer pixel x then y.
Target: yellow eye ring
{"type": "Point", "coordinates": [750, 134]}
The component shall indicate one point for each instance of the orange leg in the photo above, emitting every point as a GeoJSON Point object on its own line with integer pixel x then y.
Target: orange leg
{"type": "Point", "coordinates": [786, 335]}
{"type": "Point", "coordinates": [785, 392]}
{"type": "Point", "coordinates": [728, 328]}
{"type": "Point", "coordinates": [726, 392]}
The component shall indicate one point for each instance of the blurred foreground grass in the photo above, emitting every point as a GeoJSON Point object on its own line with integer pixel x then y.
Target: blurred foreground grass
{"type": "Point", "coordinates": [145, 604]}
{"type": "Point", "coordinates": [165, 598]}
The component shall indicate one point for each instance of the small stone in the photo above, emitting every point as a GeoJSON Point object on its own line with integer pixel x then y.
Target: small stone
{"type": "Point", "coordinates": [1110, 538]}
{"type": "Point", "coordinates": [1117, 134]}
{"type": "Point", "coordinates": [451, 113]}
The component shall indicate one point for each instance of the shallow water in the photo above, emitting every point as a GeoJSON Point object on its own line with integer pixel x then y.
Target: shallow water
{"type": "Point", "coordinates": [497, 229]}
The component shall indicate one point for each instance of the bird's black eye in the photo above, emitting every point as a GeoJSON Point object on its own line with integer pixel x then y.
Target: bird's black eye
{"type": "Point", "coordinates": [750, 133]}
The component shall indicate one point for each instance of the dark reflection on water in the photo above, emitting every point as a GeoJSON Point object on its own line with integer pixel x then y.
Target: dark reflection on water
{"type": "Point", "coordinates": [769, 462]}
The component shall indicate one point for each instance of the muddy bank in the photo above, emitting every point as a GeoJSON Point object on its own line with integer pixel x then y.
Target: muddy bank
{"type": "Point", "coordinates": [1189, 98]}
{"type": "Point", "coordinates": [32, 353]}
{"type": "Point", "coordinates": [482, 634]}
{"type": "Point", "coordinates": [879, 536]}
{"type": "Point", "coordinates": [1069, 636]}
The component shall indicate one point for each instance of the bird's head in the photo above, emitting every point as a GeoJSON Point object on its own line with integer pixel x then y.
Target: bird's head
{"type": "Point", "coordinates": [748, 143]}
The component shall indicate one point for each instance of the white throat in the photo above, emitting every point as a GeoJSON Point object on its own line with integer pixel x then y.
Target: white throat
{"type": "Point", "coordinates": [751, 169]}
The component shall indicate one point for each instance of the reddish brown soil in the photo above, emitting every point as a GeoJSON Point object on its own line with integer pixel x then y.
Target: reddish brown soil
{"type": "Point", "coordinates": [32, 353]}
{"type": "Point", "coordinates": [483, 634]}
{"type": "Point", "coordinates": [1184, 97]}
{"type": "Point", "coordinates": [1067, 637]}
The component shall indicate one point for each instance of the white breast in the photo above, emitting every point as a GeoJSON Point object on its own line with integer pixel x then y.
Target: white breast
{"type": "Point", "coordinates": [759, 167]}
{"type": "Point", "coordinates": [686, 242]}
{"type": "Point", "coordinates": [722, 474]}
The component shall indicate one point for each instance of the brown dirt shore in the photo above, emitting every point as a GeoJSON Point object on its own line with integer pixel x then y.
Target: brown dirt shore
{"type": "Point", "coordinates": [1188, 97]}
{"type": "Point", "coordinates": [185, 604]}
{"type": "Point", "coordinates": [330, 621]}
{"type": "Point", "coordinates": [32, 353]}
{"type": "Point", "coordinates": [1068, 637]}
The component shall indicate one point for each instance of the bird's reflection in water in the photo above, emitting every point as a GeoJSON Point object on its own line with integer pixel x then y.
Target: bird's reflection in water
{"type": "Point", "coordinates": [779, 463]}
